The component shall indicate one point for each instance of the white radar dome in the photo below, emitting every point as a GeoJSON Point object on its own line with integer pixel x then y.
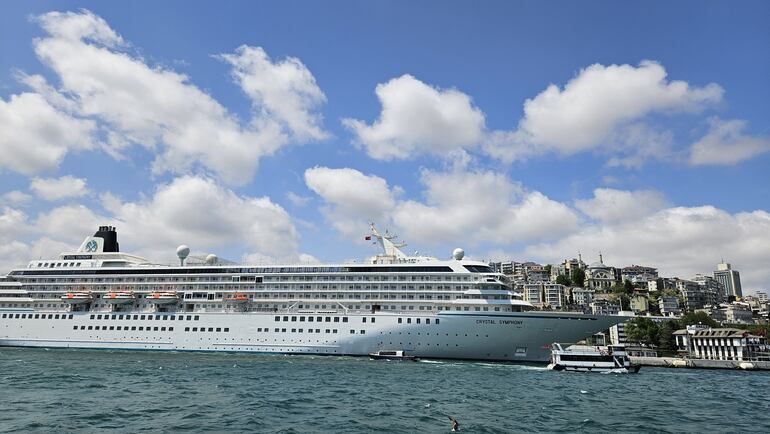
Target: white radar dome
{"type": "Point", "coordinates": [211, 259]}
{"type": "Point", "coordinates": [458, 253]}
{"type": "Point", "coordinates": [182, 252]}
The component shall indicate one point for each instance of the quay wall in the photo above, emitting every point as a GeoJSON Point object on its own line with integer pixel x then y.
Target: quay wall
{"type": "Point", "coordinates": [677, 362]}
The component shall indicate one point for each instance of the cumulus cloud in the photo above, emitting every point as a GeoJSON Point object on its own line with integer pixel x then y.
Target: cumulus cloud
{"type": "Point", "coordinates": [460, 206]}
{"type": "Point", "coordinates": [297, 200]}
{"type": "Point", "coordinates": [418, 119]}
{"type": "Point", "coordinates": [284, 91]}
{"type": "Point", "coordinates": [589, 110]}
{"type": "Point", "coordinates": [15, 197]}
{"type": "Point", "coordinates": [353, 199]}
{"type": "Point", "coordinates": [163, 111]}
{"type": "Point", "coordinates": [726, 144]}
{"type": "Point", "coordinates": [36, 136]}
{"type": "Point", "coordinates": [616, 206]}
{"type": "Point", "coordinates": [59, 188]}
{"type": "Point", "coordinates": [680, 241]}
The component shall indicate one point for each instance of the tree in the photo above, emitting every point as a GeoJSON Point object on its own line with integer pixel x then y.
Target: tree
{"type": "Point", "coordinates": [628, 286]}
{"type": "Point", "coordinates": [563, 279]}
{"type": "Point", "coordinates": [548, 269]}
{"type": "Point", "coordinates": [643, 331]}
{"type": "Point", "coordinates": [578, 277]}
{"type": "Point", "coordinates": [618, 288]}
{"type": "Point", "coordinates": [698, 318]}
{"type": "Point", "coordinates": [666, 341]}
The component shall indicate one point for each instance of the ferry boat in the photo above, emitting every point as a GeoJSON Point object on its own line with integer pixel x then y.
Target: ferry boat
{"type": "Point", "coordinates": [586, 358]}
{"type": "Point", "coordinates": [392, 355]}
{"type": "Point", "coordinates": [452, 308]}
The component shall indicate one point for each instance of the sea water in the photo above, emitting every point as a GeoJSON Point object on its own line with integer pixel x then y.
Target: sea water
{"type": "Point", "coordinates": [59, 391]}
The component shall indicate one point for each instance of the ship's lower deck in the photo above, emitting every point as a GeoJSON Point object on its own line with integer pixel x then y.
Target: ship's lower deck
{"type": "Point", "coordinates": [524, 336]}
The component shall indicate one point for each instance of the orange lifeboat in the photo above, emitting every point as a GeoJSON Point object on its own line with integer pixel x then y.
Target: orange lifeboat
{"type": "Point", "coordinates": [163, 297]}
{"type": "Point", "coordinates": [238, 297]}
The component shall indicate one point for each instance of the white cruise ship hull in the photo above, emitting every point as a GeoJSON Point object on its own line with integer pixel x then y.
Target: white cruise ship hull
{"type": "Point", "coordinates": [523, 336]}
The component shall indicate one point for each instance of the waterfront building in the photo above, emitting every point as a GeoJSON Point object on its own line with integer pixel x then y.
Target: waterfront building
{"type": "Point", "coordinates": [638, 274]}
{"type": "Point", "coordinates": [699, 342]}
{"type": "Point", "coordinates": [604, 307]}
{"type": "Point", "coordinates": [545, 294]}
{"type": "Point", "coordinates": [669, 305]}
{"type": "Point", "coordinates": [714, 289]}
{"type": "Point", "coordinates": [582, 296]}
{"type": "Point", "coordinates": [600, 276]}
{"type": "Point", "coordinates": [731, 279]}
{"type": "Point", "coordinates": [730, 313]}
{"type": "Point", "coordinates": [661, 284]}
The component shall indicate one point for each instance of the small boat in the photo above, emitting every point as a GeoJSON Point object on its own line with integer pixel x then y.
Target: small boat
{"type": "Point", "coordinates": [77, 297]}
{"type": "Point", "coordinates": [238, 297]}
{"type": "Point", "coordinates": [391, 355]}
{"type": "Point", "coordinates": [586, 358]}
{"type": "Point", "coordinates": [118, 297]}
{"type": "Point", "coordinates": [163, 297]}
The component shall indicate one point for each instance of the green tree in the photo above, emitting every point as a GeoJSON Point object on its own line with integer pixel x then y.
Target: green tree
{"type": "Point", "coordinates": [697, 318]}
{"type": "Point", "coordinates": [628, 287]}
{"type": "Point", "coordinates": [563, 279]}
{"type": "Point", "coordinates": [642, 330]}
{"type": "Point", "coordinates": [578, 277]}
{"type": "Point", "coordinates": [548, 269]}
{"type": "Point", "coordinates": [666, 341]}
{"type": "Point", "coordinates": [618, 288]}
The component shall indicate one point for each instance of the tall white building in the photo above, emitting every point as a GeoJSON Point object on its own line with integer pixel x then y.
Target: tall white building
{"type": "Point", "coordinates": [731, 279]}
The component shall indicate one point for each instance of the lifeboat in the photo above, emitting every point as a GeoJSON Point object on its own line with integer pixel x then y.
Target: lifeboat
{"type": "Point", "coordinates": [118, 297]}
{"type": "Point", "coordinates": [237, 298]}
{"type": "Point", "coordinates": [163, 297]}
{"type": "Point", "coordinates": [77, 297]}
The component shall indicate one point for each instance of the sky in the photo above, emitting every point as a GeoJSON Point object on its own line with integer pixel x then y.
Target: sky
{"type": "Point", "coordinates": [276, 131]}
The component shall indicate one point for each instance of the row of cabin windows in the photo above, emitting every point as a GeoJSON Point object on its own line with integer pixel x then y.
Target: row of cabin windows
{"type": "Point", "coordinates": [409, 320]}
{"type": "Point", "coordinates": [148, 317]}
{"type": "Point", "coordinates": [211, 329]}
{"type": "Point", "coordinates": [37, 316]}
{"type": "Point", "coordinates": [124, 328]}
{"type": "Point", "coordinates": [299, 330]}
{"type": "Point", "coordinates": [317, 319]}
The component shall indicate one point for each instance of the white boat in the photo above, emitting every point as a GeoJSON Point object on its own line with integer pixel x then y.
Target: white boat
{"type": "Point", "coordinates": [119, 297]}
{"type": "Point", "coordinates": [77, 297]}
{"type": "Point", "coordinates": [587, 358]}
{"type": "Point", "coordinates": [391, 355]}
{"type": "Point", "coordinates": [163, 297]}
{"type": "Point", "coordinates": [451, 308]}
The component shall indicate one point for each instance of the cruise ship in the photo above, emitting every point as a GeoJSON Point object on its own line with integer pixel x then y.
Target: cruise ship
{"type": "Point", "coordinates": [100, 297]}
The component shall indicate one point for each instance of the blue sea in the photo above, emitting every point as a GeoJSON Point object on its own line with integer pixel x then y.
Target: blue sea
{"type": "Point", "coordinates": [60, 391]}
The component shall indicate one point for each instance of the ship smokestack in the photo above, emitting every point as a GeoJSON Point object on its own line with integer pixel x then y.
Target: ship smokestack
{"type": "Point", "coordinates": [110, 237]}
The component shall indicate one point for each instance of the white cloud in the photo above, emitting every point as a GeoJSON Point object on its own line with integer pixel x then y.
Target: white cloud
{"type": "Point", "coordinates": [284, 91]}
{"type": "Point", "coordinates": [15, 197]}
{"type": "Point", "coordinates": [725, 144]}
{"type": "Point", "coordinates": [679, 241]}
{"type": "Point", "coordinates": [460, 206]}
{"type": "Point", "coordinates": [417, 118]}
{"type": "Point", "coordinates": [59, 188]}
{"type": "Point", "coordinates": [297, 200]}
{"type": "Point", "coordinates": [617, 206]}
{"type": "Point", "coordinates": [353, 199]}
{"type": "Point", "coordinates": [36, 136]}
{"type": "Point", "coordinates": [161, 110]}
{"type": "Point", "coordinates": [588, 112]}
{"type": "Point", "coordinates": [204, 215]}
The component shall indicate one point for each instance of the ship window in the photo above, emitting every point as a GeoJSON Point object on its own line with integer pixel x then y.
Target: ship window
{"type": "Point", "coordinates": [120, 328]}
{"type": "Point", "coordinates": [189, 318]}
{"type": "Point", "coordinates": [195, 329]}
{"type": "Point", "coordinates": [400, 320]}
{"type": "Point", "coordinates": [427, 320]}
{"type": "Point", "coordinates": [141, 317]}
{"type": "Point", "coordinates": [92, 316]}
{"type": "Point", "coordinates": [345, 319]}
{"type": "Point", "coordinates": [114, 317]}
{"type": "Point", "coordinates": [319, 319]}
{"type": "Point", "coordinates": [74, 327]}
{"type": "Point", "coordinates": [172, 317]}
{"type": "Point", "coordinates": [187, 329]}
{"type": "Point", "coordinates": [165, 317]}
{"type": "Point", "coordinates": [112, 327]}
{"type": "Point", "coordinates": [294, 318]}
{"type": "Point", "coordinates": [418, 320]}
{"type": "Point", "coordinates": [286, 318]}
{"type": "Point", "coordinates": [409, 320]}
{"type": "Point", "coordinates": [334, 331]}
{"type": "Point", "coordinates": [82, 327]}
{"type": "Point", "coordinates": [211, 329]}
{"type": "Point", "coordinates": [352, 332]}
{"type": "Point", "coordinates": [227, 329]}
{"type": "Point", "coordinates": [197, 317]}
{"type": "Point", "coordinates": [219, 329]}
{"type": "Point", "coordinates": [141, 328]}
{"type": "Point", "coordinates": [90, 327]}
{"type": "Point", "coordinates": [278, 318]}
{"type": "Point", "coordinates": [363, 319]}
{"type": "Point", "coordinates": [363, 332]}
{"type": "Point", "coordinates": [98, 317]}
{"type": "Point", "coordinates": [149, 317]}
{"type": "Point", "coordinates": [372, 319]}
{"type": "Point", "coordinates": [310, 319]}
{"type": "Point", "coordinates": [283, 330]}
{"type": "Point", "coordinates": [276, 330]}
{"type": "Point", "coordinates": [328, 331]}
{"type": "Point", "coordinates": [181, 317]}
{"type": "Point", "coordinates": [328, 319]}
{"type": "Point", "coordinates": [5, 315]}
{"type": "Point", "coordinates": [171, 329]}
{"type": "Point", "coordinates": [336, 319]}
{"type": "Point", "coordinates": [302, 319]}
{"type": "Point", "coordinates": [155, 329]}
{"type": "Point", "coordinates": [133, 327]}
{"type": "Point", "coordinates": [294, 330]}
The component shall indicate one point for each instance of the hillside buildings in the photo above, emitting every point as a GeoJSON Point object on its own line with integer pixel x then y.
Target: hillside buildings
{"type": "Point", "coordinates": [731, 279]}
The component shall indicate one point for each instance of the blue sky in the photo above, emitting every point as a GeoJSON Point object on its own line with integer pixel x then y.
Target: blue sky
{"type": "Point", "coordinates": [652, 146]}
